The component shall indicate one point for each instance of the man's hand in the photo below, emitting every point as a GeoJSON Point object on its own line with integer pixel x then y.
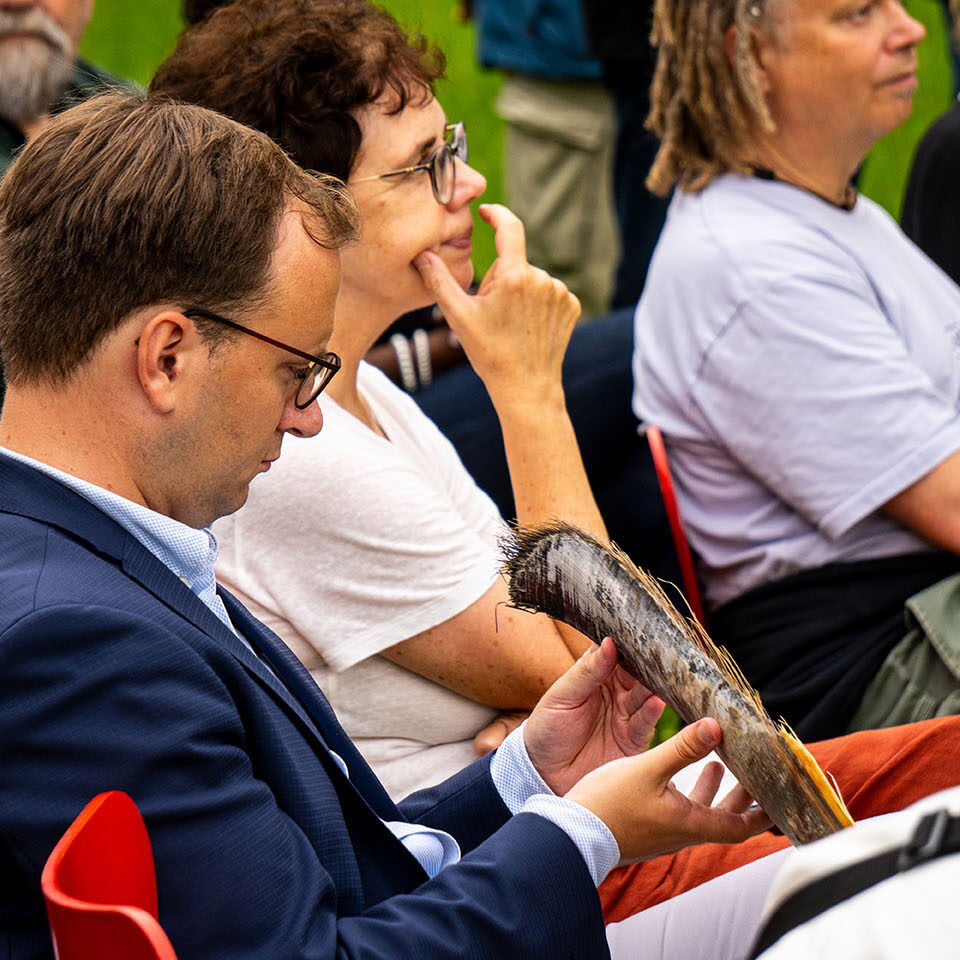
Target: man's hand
{"type": "Point", "coordinates": [516, 328]}
{"type": "Point", "coordinates": [596, 712]}
{"type": "Point", "coordinates": [646, 813]}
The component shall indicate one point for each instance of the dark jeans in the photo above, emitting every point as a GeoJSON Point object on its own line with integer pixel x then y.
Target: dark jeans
{"type": "Point", "coordinates": [598, 383]}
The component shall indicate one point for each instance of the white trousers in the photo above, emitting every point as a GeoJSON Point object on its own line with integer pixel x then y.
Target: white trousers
{"type": "Point", "coordinates": [718, 920]}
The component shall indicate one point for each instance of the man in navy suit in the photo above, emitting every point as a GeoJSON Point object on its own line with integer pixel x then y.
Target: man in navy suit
{"type": "Point", "coordinates": [167, 289]}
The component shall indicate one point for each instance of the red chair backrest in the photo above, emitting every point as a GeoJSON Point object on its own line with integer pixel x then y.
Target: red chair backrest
{"type": "Point", "coordinates": [100, 886]}
{"type": "Point", "coordinates": [690, 587]}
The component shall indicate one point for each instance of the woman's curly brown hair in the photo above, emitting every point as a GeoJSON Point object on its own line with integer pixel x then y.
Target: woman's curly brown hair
{"type": "Point", "coordinates": [298, 69]}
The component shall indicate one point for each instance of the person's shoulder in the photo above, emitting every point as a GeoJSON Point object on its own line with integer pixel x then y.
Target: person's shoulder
{"type": "Point", "coordinates": [763, 217]}
{"type": "Point", "coordinates": [400, 415]}
{"type": "Point", "coordinates": [942, 135]}
{"type": "Point", "coordinates": [731, 223]}
{"type": "Point", "coordinates": [725, 242]}
{"type": "Point", "coordinates": [46, 567]}
{"type": "Point", "coordinates": [21, 564]}
{"type": "Point", "coordinates": [50, 574]}
{"type": "Point", "coordinates": [781, 235]}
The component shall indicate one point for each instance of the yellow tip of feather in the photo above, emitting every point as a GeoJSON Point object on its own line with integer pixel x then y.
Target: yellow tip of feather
{"type": "Point", "coordinates": [827, 788]}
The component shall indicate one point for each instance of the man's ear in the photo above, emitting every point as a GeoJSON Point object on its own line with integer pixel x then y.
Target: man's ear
{"type": "Point", "coordinates": [167, 350]}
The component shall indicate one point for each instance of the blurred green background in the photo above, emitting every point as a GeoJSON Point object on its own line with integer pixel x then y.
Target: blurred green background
{"type": "Point", "coordinates": [131, 37]}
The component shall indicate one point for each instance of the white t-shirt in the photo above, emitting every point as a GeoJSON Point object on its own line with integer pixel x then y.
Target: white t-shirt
{"type": "Point", "coordinates": [352, 543]}
{"type": "Point", "coordinates": [803, 363]}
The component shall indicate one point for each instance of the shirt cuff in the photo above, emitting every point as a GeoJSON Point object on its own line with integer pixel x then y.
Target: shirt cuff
{"type": "Point", "coordinates": [590, 835]}
{"type": "Point", "coordinates": [522, 788]}
{"type": "Point", "coordinates": [513, 772]}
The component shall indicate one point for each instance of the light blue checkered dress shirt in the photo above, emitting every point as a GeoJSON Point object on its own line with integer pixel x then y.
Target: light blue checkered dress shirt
{"type": "Point", "coordinates": [191, 554]}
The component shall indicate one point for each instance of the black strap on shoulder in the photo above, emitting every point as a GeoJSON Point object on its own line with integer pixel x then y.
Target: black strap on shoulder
{"type": "Point", "coordinates": [937, 834]}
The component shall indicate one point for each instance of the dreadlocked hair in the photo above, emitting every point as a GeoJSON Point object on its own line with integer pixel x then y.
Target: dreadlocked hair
{"type": "Point", "coordinates": [701, 107]}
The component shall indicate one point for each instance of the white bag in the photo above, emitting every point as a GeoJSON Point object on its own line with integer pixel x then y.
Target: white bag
{"type": "Point", "coordinates": [913, 912]}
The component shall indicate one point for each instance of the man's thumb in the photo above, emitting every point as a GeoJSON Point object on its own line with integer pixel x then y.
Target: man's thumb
{"type": "Point", "coordinates": [692, 743]}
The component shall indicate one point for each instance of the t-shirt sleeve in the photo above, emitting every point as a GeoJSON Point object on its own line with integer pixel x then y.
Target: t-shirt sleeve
{"type": "Point", "coordinates": [354, 547]}
{"type": "Point", "coordinates": [814, 392]}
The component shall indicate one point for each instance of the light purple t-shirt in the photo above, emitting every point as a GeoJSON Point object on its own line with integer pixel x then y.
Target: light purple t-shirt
{"type": "Point", "coordinates": [803, 363]}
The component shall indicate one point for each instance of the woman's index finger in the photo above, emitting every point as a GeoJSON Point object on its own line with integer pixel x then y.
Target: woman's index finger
{"type": "Point", "coordinates": [509, 236]}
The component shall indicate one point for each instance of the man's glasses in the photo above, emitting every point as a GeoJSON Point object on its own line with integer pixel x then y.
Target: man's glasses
{"type": "Point", "coordinates": [440, 165]}
{"type": "Point", "coordinates": [316, 375]}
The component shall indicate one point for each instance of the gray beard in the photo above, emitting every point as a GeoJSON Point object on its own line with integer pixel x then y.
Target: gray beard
{"type": "Point", "coordinates": [34, 70]}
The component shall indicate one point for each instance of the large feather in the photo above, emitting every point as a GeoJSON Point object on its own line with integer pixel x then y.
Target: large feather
{"type": "Point", "coordinates": [558, 570]}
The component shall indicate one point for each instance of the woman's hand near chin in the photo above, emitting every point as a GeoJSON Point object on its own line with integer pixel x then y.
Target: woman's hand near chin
{"type": "Point", "coordinates": [515, 330]}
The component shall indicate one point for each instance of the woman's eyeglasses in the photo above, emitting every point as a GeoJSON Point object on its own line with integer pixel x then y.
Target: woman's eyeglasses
{"type": "Point", "coordinates": [440, 165]}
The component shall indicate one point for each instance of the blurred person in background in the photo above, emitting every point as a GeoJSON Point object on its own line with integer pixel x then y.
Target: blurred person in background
{"type": "Point", "coordinates": [40, 72]}
{"type": "Point", "coordinates": [619, 35]}
{"type": "Point", "coordinates": [558, 141]}
{"type": "Point", "coordinates": [800, 355]}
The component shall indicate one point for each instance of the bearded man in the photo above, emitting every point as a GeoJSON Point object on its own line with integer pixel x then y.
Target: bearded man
{"type": "Point", "coordinates": [802, 358]}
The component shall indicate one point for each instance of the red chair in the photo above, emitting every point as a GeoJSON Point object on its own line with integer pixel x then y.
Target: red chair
{"type": "Point", "coordinates": [684, 557]}
{"type": "Point", "coordinates": [101, 889]}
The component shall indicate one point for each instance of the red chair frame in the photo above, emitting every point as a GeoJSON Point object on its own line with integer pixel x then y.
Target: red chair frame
{"type": "Point", "coordinates": [100, 886]}
{"type": "Point", "coordinates": [684, 557]}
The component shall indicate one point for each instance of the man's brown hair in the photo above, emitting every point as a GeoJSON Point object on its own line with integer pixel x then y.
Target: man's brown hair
{"type": "Point", "coordinates": [120, 203]}
{"type": "Point", "coordinates": [702, 107]}
{"type": "Point", "coordinates": [297, 69]}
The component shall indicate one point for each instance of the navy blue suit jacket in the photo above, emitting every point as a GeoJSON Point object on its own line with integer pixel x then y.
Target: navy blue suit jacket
{"type": "Point", "coordinates": [114, 675]}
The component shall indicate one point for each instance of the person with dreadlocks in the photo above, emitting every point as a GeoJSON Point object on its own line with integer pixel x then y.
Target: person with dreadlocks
{"type": "Point", "coordinates": [802, 358]}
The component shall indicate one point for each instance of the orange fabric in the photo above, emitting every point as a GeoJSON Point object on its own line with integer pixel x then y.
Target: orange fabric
{"type": "Point", "coordinates": [877, 771]}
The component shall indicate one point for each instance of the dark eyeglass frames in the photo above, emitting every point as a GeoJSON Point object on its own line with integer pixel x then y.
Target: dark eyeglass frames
{"type": "Point", "coordinates": [440, 165]}
{"type": "Point", "coordinates": [317, 375]}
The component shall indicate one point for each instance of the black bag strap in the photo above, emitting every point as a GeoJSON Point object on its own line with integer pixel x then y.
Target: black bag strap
{"type": "Point", "coordinates": [936, 834]}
